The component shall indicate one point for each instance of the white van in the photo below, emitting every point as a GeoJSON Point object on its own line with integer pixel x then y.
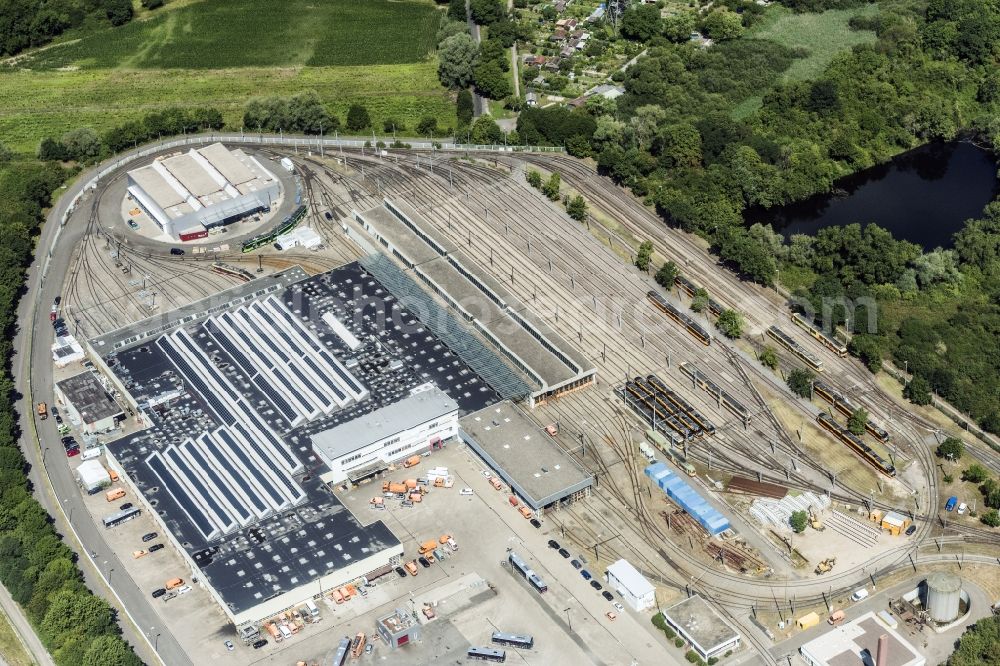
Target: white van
{"type": "Point", "coordinates": [90, 454]}
{"type": "Point", "coordinates": [312, 608]}
{"type": "Point", "coordinates": [284, 631]}
{"type": "Point", "coordinates": [962, 507]}
{"type": "Point", "coordinates": [859, 594]}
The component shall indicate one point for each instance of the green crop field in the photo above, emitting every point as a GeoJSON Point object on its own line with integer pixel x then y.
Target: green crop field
{"type": "Point", "coordinates": [823, 35]}
{"type": "Point", "coordinates": [221, 53]}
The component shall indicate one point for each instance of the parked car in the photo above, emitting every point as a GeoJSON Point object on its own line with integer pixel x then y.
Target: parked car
{"type": "Point", "coordinates": [369, 648]}
{"type": "Point", "coordinates": [564, 552]}
{"type": "Point", "coordinates": [183, 589]}
{"type": "Point", "coordinates": [159, 592]}
{"type": "Point", "coordinates": [149, 536]}
{"type": "Point", "coordinates": [229, 645]}
{"type": "Point", "coordinates": [401, 572]}
{"type": "Point", "coordinates": [423, 561]}
{"type": "Point", "coordinates": [126, 506]}
{"type": "Point", "coordinates": [611, 616]}
{"type": "Point", "coordinates": [328, 215]}
{"type": "Point", "coordinates": [910, 530]}
{"type": "Point", "coordinates": [962, 507]}
{"type": "Point", "coordinates": [607, 595]}
{"type": "Point", "coordinates": [406, 503]}
{"type": "Point", "coordinates": [155, 547]}
{"type": "Point", "coordinates": [72, 452]}
{"type": "Point", "coordinates": [176, 251]}
{"type": "Point", "coordinates": [259, 644]}
{"type": "Point", "coordinates": [576, 564]}
{"type": "Point", "coordinates": [466, 491]}
{"type": "Point", "coordinates": [618, 607]}
{"type": "Point", "coordinates": [536, 523]}
{"type": "Point", "coordinates": [586, 574]}
{"type": "Point", "coordinates": [594, 584]}
{"type": "Point", "coordinates": [553, 544]}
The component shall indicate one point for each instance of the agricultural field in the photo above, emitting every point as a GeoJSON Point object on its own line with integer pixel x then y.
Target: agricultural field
{"type": "Point", "coordinates": [221, 53]}
{"type": "Point", "coordinates": [822, 35]}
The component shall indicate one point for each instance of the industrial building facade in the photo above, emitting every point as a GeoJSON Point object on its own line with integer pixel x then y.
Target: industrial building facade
{"type": "Point", "coordinates": [233, 390]}
{"type": "Point", "coordinates": [187, 193]}
{"type": "Point", "coordinates": [416, 423]}
{"type": "Point", "coordinates": [701, 625]}
{"type": "Point", "coordinates": [88, 403]}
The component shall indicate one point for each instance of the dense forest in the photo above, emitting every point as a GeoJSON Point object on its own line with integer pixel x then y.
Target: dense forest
{"type": "Point", "coordinates": [979, 646]}
{"type": "Point", "coordinates": [703, 134]}
{"type": "Point", "coordinates": [38, 569]}
{"type": "Point", "coordinates": [28, 23]}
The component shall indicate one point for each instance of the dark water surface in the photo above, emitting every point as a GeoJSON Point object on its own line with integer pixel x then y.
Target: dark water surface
{"type": "Point", "coordinates": [923, 196]}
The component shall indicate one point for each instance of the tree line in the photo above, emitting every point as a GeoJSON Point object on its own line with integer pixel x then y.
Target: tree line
{"type": "Point", "coordinates": [36, 566]}
{"type": "Point", "coordinates": [28, 23]}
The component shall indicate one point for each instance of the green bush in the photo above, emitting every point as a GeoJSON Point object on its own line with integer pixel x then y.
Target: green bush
{"type": "Point", "coordinates": [679, 642]}
{"type": "Point", "coordinates": [692, 656]}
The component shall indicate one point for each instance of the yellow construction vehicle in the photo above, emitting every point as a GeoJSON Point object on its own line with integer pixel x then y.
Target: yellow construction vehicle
{"type": "Point", "coordinates": [825, 566]}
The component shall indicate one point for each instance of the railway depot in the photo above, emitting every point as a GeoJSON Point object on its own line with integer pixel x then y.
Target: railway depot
{"type": "Point", "coordinates": [524, 455]}
{"type": "Point", "coordinates": [272, 412]}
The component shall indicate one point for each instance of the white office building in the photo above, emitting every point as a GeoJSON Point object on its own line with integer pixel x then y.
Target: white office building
{"type": "Point", "coordinates": [412, 425]}
{"type": "Point", "coordinates": [187, 193]}
{"type": "Point", "coordinates": [637, 592]}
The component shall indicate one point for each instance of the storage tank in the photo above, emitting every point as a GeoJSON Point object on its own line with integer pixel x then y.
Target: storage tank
{"type": "Point", "coordinates": [944, 591]}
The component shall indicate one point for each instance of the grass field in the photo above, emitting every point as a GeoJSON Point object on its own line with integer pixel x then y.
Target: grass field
{"type": "Point", "coordinates": [824, 35]}
{"type": "Point", "coordinates": [12, 651]}
{"type": "Point", "coordinates": [207, 53]}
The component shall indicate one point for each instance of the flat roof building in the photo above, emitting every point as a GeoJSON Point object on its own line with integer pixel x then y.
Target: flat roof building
{"type": "Point", "coordinates": [701, 625]}
{"type": "Point", "coordinates": [88, 403]}
{"type": "Point", "coordinates": [637, 592]}
{"type": "Point", "coordinates": [857, 643]}
{"type": "Point", "coordinates": [398, 628]}
{"type": "Point", "coordinates": [525, 456]}
{"type": "Point", "coordinates": [204, 187]}
{"type": "Point", "coordinates": [235, 387]}
{"type": "Point", "coordinates": [551, 365]}
{"type": "Point", "coordinates": [414, 424]}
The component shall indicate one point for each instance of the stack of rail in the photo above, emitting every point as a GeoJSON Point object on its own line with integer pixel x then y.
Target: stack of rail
{"type": "Point", "coordinates": [665, 410]}
{"type": "Point", "coordinates": [287, 225]}
{"type": "Point", "coordinates": [687, 498]}
{"type": "Point", "coordinates": [859, 447]}
{"type": "Point", "coordinates": [722, 397]}
{"type": "Point", "coordinates": [847, 408]}
{"type": "Point", "coordinates": [830, 342]}
{"type": "Point", "coordinates": [693, 327]}
{"type": "Point", "coordinates": [791, 345]}
{"type": "Point", "coordinates": [691, 289]}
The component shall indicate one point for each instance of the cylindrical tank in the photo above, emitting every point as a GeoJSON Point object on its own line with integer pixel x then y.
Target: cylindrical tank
{"type": "Point", "coordinates": [943, 594]}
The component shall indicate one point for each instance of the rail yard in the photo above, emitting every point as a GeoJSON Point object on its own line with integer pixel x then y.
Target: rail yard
{"type": "Point", "coordinates": [687, 437]}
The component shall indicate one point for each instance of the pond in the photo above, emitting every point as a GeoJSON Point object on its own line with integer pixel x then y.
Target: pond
{"type": "Point", "coordinates": [923, 196]}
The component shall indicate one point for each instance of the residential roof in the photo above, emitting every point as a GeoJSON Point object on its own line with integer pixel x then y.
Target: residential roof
{"type": "Point", "coordinates": [89, 397]}
{"type": "Point", "coordinates": [630, 577]}
{"type": "Point", "coordinates": [523, 454]}
{"type": "Point", "coordinates": [420, 407]}
{"type": "Point", "coordinates": [701, 623]}
{"type": "Point", "coordinates": [845, 645]}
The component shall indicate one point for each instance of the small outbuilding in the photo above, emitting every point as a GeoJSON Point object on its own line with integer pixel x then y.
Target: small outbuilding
{"type": "Point", "coordinates": [92, 476]}
{"type": "Point", "coordinates": [87, 403]}
{"type": "Point", "coordinates": [703, 627]}
{"type": "Point", "coordinates": [637, 592]}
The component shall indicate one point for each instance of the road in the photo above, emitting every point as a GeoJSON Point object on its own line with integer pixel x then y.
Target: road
{"type": "Point", "coordinates": [52, 479]}
{"type": "Point", "coordinates": [24, 630]}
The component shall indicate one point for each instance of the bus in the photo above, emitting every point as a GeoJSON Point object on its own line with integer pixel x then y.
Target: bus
{"type": "Point", "coordinates": [120, 517]}
{"type": "Point", "coordinates": [486, 654]}
{"type": "Point", "coordinates": [513, 640]}
{"type": "Point", "coordinates": [341, 656]}
{"type": "Point", "coordinates": [521, 567]}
